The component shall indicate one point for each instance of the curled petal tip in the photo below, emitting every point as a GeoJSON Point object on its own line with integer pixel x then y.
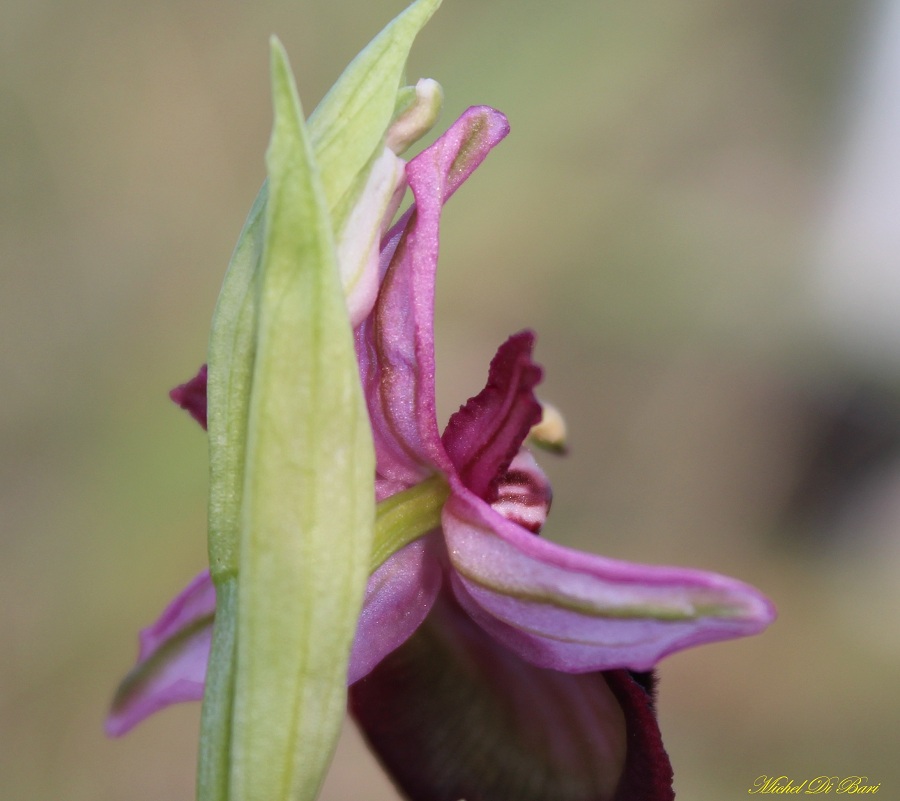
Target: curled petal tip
{"type": "Point", "coordinates": [418, 117]}
{"type": "Point", "coordinates": [456, 154]}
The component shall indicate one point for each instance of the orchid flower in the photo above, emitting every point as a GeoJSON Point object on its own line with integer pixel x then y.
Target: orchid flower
{"type": "Point", "coordinates": [488, 662]}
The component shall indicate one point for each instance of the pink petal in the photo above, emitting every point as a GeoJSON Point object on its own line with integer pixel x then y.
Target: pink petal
{"type": "Point", "coordinates": [453, 715]}
{"type": "Point", "coordinates": [174, 651]}
{"type": "Point", "coordinates": [395, 344]}
{"type": "Point", "coordinates": [571, 611]}
{"type": "Point", "coordinates": [486, 433]}
{"type": "Point", "coordinates": [171, 664]}
{"type": "Point", "coordinates": [398, 598]}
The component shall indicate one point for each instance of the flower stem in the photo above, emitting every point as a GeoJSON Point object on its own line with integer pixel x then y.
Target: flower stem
{"type": "Point", "coordinates": [405, 517]}
{"type": "Point", "coordinates": [215, 745]}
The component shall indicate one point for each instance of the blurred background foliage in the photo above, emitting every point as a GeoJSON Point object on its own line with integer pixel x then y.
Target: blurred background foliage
{"type": "Point", "coordinates": [656, 215]}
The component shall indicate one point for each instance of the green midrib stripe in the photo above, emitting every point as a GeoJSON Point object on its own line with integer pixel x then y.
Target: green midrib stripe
{"type": "Point", "coordinates": [138, 678]}
{"type": "Point", "coordinates": [664, 614]}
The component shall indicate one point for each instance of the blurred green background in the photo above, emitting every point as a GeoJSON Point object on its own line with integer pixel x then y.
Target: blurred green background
{"type": "Point", "coordinates": [654, 216]}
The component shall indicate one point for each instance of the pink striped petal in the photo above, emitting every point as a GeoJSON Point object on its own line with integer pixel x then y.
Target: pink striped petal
{"type": "Point", "coordinates": [174, 651]}
{"type": "Point", "coordinates": [575, 612]}
{"type": "Point", "coordinates": [171, 664]}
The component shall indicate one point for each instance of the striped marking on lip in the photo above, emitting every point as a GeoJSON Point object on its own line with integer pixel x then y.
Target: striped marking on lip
{"type": "Point", "coordinates": [523, 495]}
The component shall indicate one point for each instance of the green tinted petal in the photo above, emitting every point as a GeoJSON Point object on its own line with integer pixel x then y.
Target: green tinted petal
{"type": "Point", "coordinates": [347, 131]}
{"type": "Point", "coordinates": [347, 128]}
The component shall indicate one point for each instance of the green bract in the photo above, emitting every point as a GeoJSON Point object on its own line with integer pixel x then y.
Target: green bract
{"type": "Point", "coordinates": [308, 505]}
{"type": "Point", "coordinates": [291, 510]}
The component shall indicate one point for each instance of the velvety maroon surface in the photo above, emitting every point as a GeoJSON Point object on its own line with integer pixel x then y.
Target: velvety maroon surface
{"type": "Point", "coordinates": [452, 715]}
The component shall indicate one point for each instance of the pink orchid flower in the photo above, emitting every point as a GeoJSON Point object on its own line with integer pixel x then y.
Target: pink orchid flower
{"type": "Point", "coordinates": [488, 662]}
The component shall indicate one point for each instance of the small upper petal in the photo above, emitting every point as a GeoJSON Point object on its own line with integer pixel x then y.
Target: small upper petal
{"type": "Point", "coordinates": [573, 611]}
{"type": "Point", "coordinates": [191, 396]}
